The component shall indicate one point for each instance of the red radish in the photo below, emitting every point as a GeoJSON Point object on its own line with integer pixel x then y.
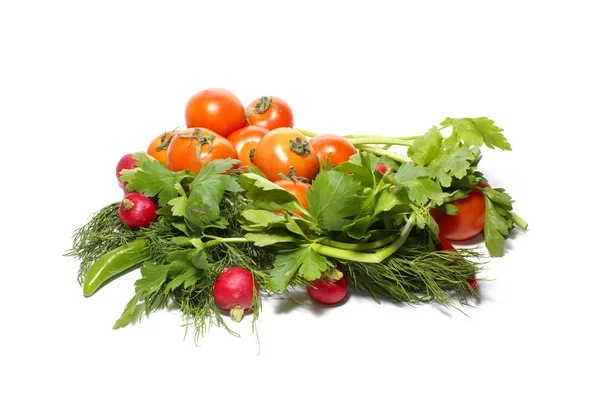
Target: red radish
{"type": "Point", "coordinates": [234, 291]}
{"type": "Point", "coordinates": [329, 290]}
{"type": "Point", "coordinates": [126, 162]}
{"type": "Point", "coordinates": [137, 210]}
{"type": "Point", "coordinates": [381, 168]}
{"type": "Point", "coordinates": [444, 244]}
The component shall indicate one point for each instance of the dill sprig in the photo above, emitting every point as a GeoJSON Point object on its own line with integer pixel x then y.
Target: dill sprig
{"type": "Point", "coordinates": [103, 232]}
{"type": "Point", "coordinates": [414, 274]}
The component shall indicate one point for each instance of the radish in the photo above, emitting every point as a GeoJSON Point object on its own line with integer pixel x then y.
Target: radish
{"type": "Point", "coordinates": [329, 290]}
{"type": "Point", "coordinates": [445, 245]}
{"type": "Point", "coordinates": [381, 168]}
{"type": "Point", "coordinates": [126, 162]}
{"type": "Point", "coordinates": [234, 291]}
{"type": "Point", "coordinates": [137, 210]}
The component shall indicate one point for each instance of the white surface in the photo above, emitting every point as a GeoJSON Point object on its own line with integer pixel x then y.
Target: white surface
{"type": "Point", "coordinates": [82, 84]}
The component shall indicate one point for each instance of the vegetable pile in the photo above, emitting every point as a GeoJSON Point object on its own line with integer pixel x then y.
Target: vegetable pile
{"type": "Point", "coordinates": [239, 204]}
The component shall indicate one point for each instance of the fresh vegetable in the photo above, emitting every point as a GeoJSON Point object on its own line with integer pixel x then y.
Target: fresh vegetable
{"type": "Point", "coordinates": [158, 146]}
{"type": "Point", "coordinates": [381, 168]}
{"type": "Point", "coordinates": [125, 162]}
{"type": "Point", "coordinates": [114, 263]}
{"type": "Point", "coordinates": [329, 290]}
{"type": "Point", "coordinates": [192, 148]}
{"type": "Point", "coordinates": [215, 109]}
{"type": "Point", "coordinates": [245, 140]}
{"type": "Point", "coordinates": [332, 149]}
{"type": "Point", "coordinates": [469, 218]}
{"type": "Point", "coordinates": [377, 223]}
{"type": "Point", "coordinates": [283, 151]}
{"type": "Point", "coordinates": [137, 211]}
{"type": "Point", "coordinates": [296, 188]}
{"type": "Point", "coordinates": [235, 290]}
{"type": "Point", "coordinates": [270, 112]}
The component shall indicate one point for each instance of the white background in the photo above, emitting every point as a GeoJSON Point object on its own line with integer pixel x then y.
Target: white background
{"type": "Point", "coordinates": [82, 83]}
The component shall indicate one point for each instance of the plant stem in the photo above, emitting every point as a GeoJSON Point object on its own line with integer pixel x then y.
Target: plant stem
{"type": "Point", "coordinates": [374, 257]}
{"type": "Point", "coordinates": [219, 240]}
{"type": "Point", "coordinates": [383, 152]}
{"type": "Point", "coordinates": [364, 246]}
{"type": "Point", "coordinates": [384, 140]}
{"type": "Point", "coordinates": [522, 224]}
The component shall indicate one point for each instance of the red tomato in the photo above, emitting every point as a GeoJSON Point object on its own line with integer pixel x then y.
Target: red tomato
{"type": "Point", "coordinates": [283, 148]}
{"type": "Point", "coordinates": [192, 148]}
{"type": "Point", "coordinates": [337, 148]}
{"type": "Point", "coordinates": [296, 188]}
{"type": "Point", "coordinates": [469, 220]}
{"type": "Point", "coordinates": [245, 140]}
{"type": "Point", "coordinates": [270, 112]}
{"type": "Point", "coordinates": [216, 109]}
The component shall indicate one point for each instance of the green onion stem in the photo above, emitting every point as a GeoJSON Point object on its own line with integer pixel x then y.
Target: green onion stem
{"type": "Point", "coordinates": [383, 140]}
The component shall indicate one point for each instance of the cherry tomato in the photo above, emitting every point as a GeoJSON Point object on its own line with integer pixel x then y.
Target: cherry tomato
{"type": "Point", "coordinates": [282, 149]}
{"type": "Point", "coordinates": [337, 148]}
{"type": "Point", "coordinates": [158, 147]}
{"type": "Point", "coordinates": [245, 140]}
{"type": "Point", "coordinates": [192, 148]}
{"type": "Point", "coordinates": [270, 112]}
{"type": "Point", "coordinates": [216, 109]}
{"type": "Point", "coordinates": [469, 220]}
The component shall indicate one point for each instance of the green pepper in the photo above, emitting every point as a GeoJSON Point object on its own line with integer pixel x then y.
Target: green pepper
{"type": "Point", "coordinates": [114, 263]}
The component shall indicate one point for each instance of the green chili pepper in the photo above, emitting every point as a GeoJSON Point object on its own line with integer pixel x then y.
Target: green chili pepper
{"type": "Point", "coordinates": [113, 263]}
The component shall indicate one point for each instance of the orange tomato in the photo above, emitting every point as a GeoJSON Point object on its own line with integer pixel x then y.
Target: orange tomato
{"type": "Point", "coordinates": [245, 140]}
{"type": "Point", "coordinates": [191, 148]}
{"type": "Point", "coordinates": [216, 109]}
{"type": "Point", "coordinates": [296, 188]}
{"type": "Point", "coordinates": [158, 147]}
{"type": "Point", "coordinates": [282, 150]}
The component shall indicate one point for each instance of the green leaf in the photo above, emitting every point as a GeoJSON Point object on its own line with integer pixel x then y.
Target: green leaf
{"type": "Point", "coordinates": [455, 164]}
{"type": "Point", "coordinates": [362, 168]}
{"type": "Point", "coordinates": [333, 198]}
{"type": "Point", "coordinates": [153, 178]}
{"type": "Point", "coordinates": [426, 148]}
{"type": "Point", "coordinates": [477, 131]}
{"type": "Point", "coordinates": [304, 261]}
{"type": "Point", "coordinates": [261, 218]}
{"type": "Point", "coordinates": [206, 191]}
{"type": "Point", "coordinates": [267, 195]}
{"type": "Point", "coordinates": [270, 238]}
{"type": "Point", "coordinates": [179, 205]}
{"type": "Point", "coordinates": [418, 184]}
{"type": "Point", "coordinates": [498, 220]}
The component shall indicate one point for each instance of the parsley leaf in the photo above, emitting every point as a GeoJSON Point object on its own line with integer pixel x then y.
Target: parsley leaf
{"type": "Point", "coordinates": [334, 197]}
{"type": "Point", "coordinates": [417, 183]}
{"type": "Point", "coordinates": [153, 178]}
{"type": "Point", "coordinates": [206, 192]}
{"type": "Point", "coordinates": [304, 260]}
{"type": "Point", "coordinates": [267, 195]}
{"type": "Point", "coordinates": [477, 131]}
{"type": "Point", "coordinates": [498, 219]}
